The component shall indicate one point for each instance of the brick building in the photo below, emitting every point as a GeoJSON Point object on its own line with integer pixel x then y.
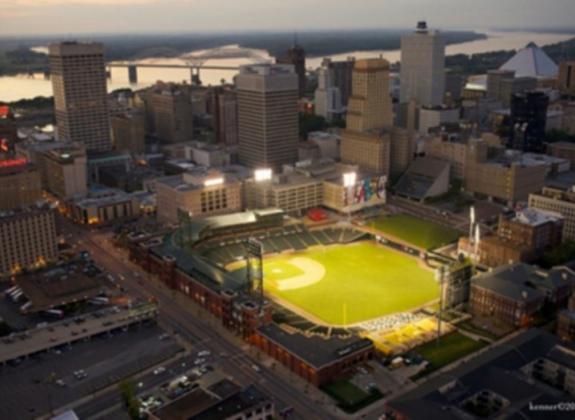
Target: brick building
{"type": "Point", "coordinates": [514, 294]}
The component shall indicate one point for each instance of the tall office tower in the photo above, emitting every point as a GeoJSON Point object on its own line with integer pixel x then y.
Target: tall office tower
{"type": "Point", "coordinates": [225, 115]}
{"type": "Point", "coordinates": [78, 78]}
{"type": "Point", "coordinates": [366, 141]}
{"type": "Point", "coordinates": [129, 132]}
{"type": "Point", "coordinates": [369, 106]}
{"type": "Point", "coordinates": [567, 78]}
{"type": "Point", "coordinates": [342, 75]}
{"type": "Point", "coordinates": [296, 57]}
{"type": "Point", "coordinates": [169, 112]}
{"type": "Point", "coordinates": [327, 96]}
{"type": "Point", "coordinates": [423, 67]}
{"type": "Point", "coordinates": [528, 121]}
{"type": "Point", "coordinates": [267, 115]}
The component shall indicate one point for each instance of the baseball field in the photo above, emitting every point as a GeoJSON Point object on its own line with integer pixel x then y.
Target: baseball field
{"type": "Point", "coordinates": [344, 285]}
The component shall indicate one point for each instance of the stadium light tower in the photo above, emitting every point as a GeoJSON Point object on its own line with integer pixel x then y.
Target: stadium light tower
{"type": "Point", "coordinates": [471, 223]}
{"type": "Point", "coordinates": [476, 242]}
{"type": "Point", "coordinates": [349, 181]}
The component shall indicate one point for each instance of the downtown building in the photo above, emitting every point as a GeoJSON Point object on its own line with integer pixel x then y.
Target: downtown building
{"type": "Point", "coordinates": [267, 97]}
{"type": "Point", "coordinates": [366, 140]}
{"type": "Point", "coordinates": [198, 194]}
{"type": "Point", "coordinates": [558, 201]}
{"type": "Point", "coordinates": [28, 239]}
{"type": "Point", "coordinates": [63, 171]}
{"type": "Point", "coordinates": [20, 184]}
{"type": "Point", "coordinates": [78, 76]}
{"type": "Point", "coordinates": [295, 56]}
{"type": "Point", "coordinates": [169, 113]}
{"type": "Point", "coordinates": [423, 67]}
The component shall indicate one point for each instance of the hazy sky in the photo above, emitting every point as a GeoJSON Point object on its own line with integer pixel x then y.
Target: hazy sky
{"type": "Point", "coordinates": [104, 16]}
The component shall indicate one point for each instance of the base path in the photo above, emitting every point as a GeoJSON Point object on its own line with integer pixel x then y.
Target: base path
{"type": "Point", "coordinates": [313, 272]}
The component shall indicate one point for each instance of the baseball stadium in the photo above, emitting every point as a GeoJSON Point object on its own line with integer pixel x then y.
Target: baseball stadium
{"type": "Point", "coordinates": [372, 279]}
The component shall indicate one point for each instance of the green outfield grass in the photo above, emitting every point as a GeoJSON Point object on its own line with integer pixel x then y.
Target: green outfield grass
{"type": "Point", "coordinates": [361, 282]}
{"type": "Point", "coordinates": [419, 232]}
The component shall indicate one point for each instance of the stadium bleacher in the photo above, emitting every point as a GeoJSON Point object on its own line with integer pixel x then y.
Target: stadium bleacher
{"type": "Point", "coordinates": [294, 237]}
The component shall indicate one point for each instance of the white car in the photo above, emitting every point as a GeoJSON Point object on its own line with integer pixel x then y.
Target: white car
{"type": "Point", "coordinates": [204, 353]}
{"type": "Point", "coordinates": [159, 370]}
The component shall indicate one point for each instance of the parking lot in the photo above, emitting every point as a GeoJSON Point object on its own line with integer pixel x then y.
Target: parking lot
{"type": "Point", "coordinates": [46, 382]}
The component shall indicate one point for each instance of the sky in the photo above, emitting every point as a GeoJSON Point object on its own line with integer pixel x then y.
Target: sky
{"type": "Point", "coordinates": [39, 17]}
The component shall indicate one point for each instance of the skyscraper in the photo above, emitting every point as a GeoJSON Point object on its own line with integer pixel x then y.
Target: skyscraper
{"type": "Point", "coordinates": [296, 57]}
{"type": "Point", "coordinates": [423, 67]}
{"type": "Point", "coordinates": [80, 100]}
{"type": "Point", "coordinates": [528, 121]}
{"type": "Point", "coordinates": [366, 141]}
{"type": "Point", "coordinates": [369, 106]}
{"type": "Point", "coordinates": [267, 115]}
{"type": "Point", "coordinates": [327, 96]}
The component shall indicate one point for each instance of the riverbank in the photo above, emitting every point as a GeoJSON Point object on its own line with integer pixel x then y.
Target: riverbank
{"type": "Point", "coordinates": [466, 58]}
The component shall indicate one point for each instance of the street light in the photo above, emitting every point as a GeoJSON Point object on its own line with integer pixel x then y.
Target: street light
{"type": "Point", "coordinates": [349, 181]}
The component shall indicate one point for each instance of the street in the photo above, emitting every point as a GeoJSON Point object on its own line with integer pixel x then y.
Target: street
{"type": "Point", "coordinates": [180, 314]}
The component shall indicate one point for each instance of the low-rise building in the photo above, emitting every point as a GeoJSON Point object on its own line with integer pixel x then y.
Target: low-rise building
{"type": "Point", "coordinates": [103, 207]}
{"type": "Point", "coordinates": [514, 294]}
{"type": "Point", "coordinates": [559, 201]}
{"type": "Point", "coordinates": [315, 359]}
{"type": "Point", "coordinates": [64, 171]}
{"type": "Point", "coordinates": [198, 192]}
{"type": "Point", "coordinates": [431, 117]}
{"type": "Point", "coordinates": [327, 142]}
{"type": "Point", "coordinates": [507, 178]}
{"type": "Point", "coordinates": [249, 403]}
{"type": "Point", "coordinates": [567, 78]}
{"type": "Point", "coordinates": [538, 230]}
{"type": "Point", "coordinates": [530, 371]}
{"type": "Point", "coordinates": [315, 184]}
{"type": "Point", "coordinates": [209, 155]}
{"type": "Point", "coordinates": [28, 239]}
{"type": "Point", "coordinates": [563, 150]}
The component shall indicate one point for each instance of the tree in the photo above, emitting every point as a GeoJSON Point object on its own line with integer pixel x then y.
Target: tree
{"type": "Point", "coordinates": [128, 393]}
{"type": "Point", "coordinates": [559, 255]}
{"type": "Point", "coordinates": [309, 123]}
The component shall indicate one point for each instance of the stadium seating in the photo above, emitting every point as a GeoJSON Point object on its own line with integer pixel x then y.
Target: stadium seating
{"type": "Point", "coordinates": [294, 237]}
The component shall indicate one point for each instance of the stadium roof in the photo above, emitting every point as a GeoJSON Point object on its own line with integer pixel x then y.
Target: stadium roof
{"type": "Point", "coordinates": [531, 61]}
{"type": "Point", "coordinates": [421, 176]}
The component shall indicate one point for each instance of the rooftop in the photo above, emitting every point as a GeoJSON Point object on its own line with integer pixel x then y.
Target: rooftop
{"type": "Point", "coordinates": [314, 350]}
{"type": "Point", "coordinates": [59, 286]}
{"type": "Point", "coordinates": [523, 282]}
{"type": "Point", "coordinates": [531, 61]}
{"type": "Point", "coordinates": [497, 370]}
{"type": "Point", "coordinates": [535, 217]}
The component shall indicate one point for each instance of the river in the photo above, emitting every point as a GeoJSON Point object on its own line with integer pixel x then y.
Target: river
{"type": "Point", "coordinates": [23, 86]}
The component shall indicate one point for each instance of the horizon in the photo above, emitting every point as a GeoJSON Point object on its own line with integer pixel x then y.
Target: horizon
{"type": "Point", "coordinates": [29, 18]}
